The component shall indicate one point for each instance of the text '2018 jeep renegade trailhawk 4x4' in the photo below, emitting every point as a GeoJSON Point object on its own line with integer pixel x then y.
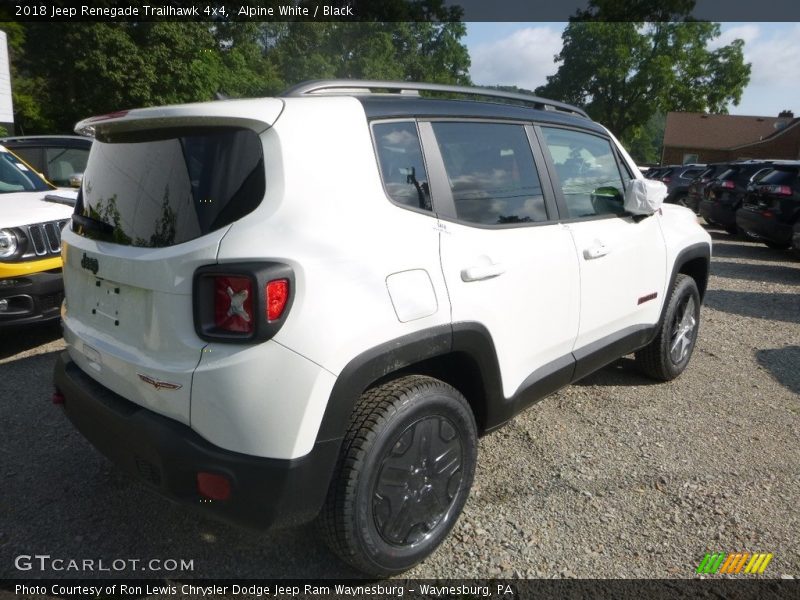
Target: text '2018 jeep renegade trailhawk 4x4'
{"type": "Point", "coordinates": [312, 305]}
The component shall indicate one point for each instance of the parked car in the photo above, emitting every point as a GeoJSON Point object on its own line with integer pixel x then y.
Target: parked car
{"type": "Point", "coordinates": [771, 209]}
{"type": "Point", "coordinates": [723, 195]}
{"type": "Point", "coordinates": [697, 186]}
{"type": "Point", "coordinates": [655, 172]}
{"type": "Point", "coordinates": [61, 159]}
{"type": "Point", "coordinates": [677, 179]}
{"type": "Point", "coordinates": [310, 319]}
{"type": "Point", "coordinates": [31, 288]}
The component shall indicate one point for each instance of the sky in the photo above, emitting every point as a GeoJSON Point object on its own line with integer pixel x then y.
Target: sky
{"type": "Point", "coordinates": [522, 54]}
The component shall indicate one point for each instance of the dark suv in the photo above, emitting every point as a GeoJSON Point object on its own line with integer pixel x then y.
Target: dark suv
{"type": "Point", "coordinates": [698, 184]}
{"type": "Point", "coordinates": [677, 179]}
{"type": "Point", "coordinates": [60, 158]}
{"type": "Point", "coordinates": [771, 209]}
{"type": "Point", "coordinates": [722, 196]}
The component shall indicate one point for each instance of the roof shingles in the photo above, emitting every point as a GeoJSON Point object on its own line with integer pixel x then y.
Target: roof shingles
{"type": "Point", "coordinates": [700, 130]}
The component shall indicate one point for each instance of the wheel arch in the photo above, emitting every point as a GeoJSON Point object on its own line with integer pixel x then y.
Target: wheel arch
{"type": "Point", "coordinates": [693, 261]}
{"type": "Point", "coordinates": [461, 355]}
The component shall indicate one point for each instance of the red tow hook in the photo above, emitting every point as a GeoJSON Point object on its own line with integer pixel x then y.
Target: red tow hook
{"type": "Point", "coordinates": [58, 397]}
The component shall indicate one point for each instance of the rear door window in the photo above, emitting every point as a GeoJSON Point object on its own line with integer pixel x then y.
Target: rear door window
{"type": "Point", "coordinates": [402, 167]}
{"type": "Point", "coordinates": [165, 187]}
{"type": "Point", "coordinates": [491, 172]}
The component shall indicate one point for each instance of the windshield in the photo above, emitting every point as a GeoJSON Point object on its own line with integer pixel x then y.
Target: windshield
{"type": "Point", "coordinates": [16, 176]}
{"type": "Point", "coordinates": [166, 187]}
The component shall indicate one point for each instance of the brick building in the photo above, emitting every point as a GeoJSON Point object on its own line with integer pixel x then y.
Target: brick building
{"type": "Point", "coordinates": [704, 138]}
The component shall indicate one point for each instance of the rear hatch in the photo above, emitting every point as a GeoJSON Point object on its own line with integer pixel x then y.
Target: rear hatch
{"type": "Point", "coordinates": [161, 189]}
{"type": "Point", "coordinates": [775, 192]}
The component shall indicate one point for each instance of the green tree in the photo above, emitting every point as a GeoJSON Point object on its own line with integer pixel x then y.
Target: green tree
{"type": "Point", "coordinates": [624, 73]}
{"type": "Point", "coordinates": [646, 141]}
{"type": "Point", "coordinates": [64, 72]}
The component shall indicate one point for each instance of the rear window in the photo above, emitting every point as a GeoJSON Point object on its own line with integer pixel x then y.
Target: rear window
{"type": "Point", "coordinates": [779, 177]}
{"type": "Point", "coordinates": [15, 176]}
{"type": "Point", "coordinates": [690, 173]}
{"type": "Point", "coordinates": [729, 174]}
{"type": "Point", "coordinates": [166, 187]}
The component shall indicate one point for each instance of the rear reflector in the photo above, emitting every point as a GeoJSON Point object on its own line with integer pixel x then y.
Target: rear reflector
{"type": "Point", "coordinates": [233, 304]}
{"type": "Point", "coordinates": [277, 296]}
{"type": "Point", "coordinates": [58, 397]}
{"type": "Point", "coordinates": [213, 486]}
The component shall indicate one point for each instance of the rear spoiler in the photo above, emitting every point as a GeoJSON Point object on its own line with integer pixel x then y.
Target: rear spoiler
{"type": "Point", "coordinates": [256, 114]}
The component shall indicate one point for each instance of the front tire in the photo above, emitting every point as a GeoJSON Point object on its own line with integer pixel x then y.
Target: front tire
{"type": "Point", "coordinates": [403, 475]}
{"type": "Point", "coordinates": [668, 354]}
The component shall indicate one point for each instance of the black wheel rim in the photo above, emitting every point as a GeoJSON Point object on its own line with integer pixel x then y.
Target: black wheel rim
{"type": "Point", "coordinates": [418, 481]}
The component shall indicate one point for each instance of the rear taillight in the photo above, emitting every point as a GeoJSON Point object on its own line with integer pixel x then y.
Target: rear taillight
{"type": "Point", "coordinates": [233, 304]}
{"type": "Point", "coordinates": [243, 302]}
{"type": "Point", "coordinates": [666, 179]}
{"type": "Point", "coordinates": [728, 185]}
{"type": "Point", "coordinates": [277, 297]}
{"type": "Point", "coordinates": [780, 190]}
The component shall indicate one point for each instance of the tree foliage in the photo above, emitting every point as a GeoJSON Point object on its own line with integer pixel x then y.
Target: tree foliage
{"type": "Point", "coordinates": [624, 73]}
{"type": "Point", "coordinates": [63, 72]}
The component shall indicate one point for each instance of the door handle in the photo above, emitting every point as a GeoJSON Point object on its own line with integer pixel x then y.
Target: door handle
{"type": "Point", "coordinates": [481, 272]}
{"type": "Point", "coordinates": [596, 250]}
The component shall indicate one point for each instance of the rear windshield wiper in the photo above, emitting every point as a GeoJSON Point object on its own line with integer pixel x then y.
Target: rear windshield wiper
{"type": "Point", "coordinates": [92, 224]}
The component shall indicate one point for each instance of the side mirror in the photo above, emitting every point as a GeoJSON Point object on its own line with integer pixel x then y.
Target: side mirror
{"type": "Point", "coordinates": [644, 196]}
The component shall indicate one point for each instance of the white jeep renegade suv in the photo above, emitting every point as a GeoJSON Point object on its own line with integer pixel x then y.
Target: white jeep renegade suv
{"type": "Point", "coordinates": [312, 305]}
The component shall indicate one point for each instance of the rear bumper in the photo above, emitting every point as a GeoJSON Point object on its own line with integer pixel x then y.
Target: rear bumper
{"type": "Point", "coordinates": [692, 201]}
{"type": "Point", "coordinates": [719, 213]}
{"type": "Point", "coordinates": [767, 228]}
{"type": "Point", "coordinates": [31, 298]}
{"type": "Point", "coordinates": [167, 455]}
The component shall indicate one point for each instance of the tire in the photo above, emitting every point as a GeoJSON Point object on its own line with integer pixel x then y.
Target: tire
{"type": "Point", "coordinates": [731, 229]}
{"type": "Point", "coordinates": [388, 506]}
{"type": "Point", "coordinates": [668, 354]}
{"type": "Point", "coordinates": [776, 245]}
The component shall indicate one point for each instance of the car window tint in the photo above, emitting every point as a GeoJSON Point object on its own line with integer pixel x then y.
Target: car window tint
{"type": "Point", "coordinates": [32, 156]}
{"type": "Point", "coordinates": [587, 172]}
{"type": "Point", "coordinates": [690, 173]}
{"type": "Point", "coordinates": [491, 171]}
{"type": "Point", "coordinates": [401, 164]}
{"type": "Point", "coordinates": [62, 163]}
{"type": "Point", "coordinates": [17, 177]}
{"type": "Point", "coordinates": [779, 177]}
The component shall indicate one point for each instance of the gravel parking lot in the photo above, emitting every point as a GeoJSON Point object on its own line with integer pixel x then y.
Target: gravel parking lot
{"type": "Point", "coordinates": [616, 476]}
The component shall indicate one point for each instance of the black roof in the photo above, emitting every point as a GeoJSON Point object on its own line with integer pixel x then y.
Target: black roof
{"type": "Point", "coordinates": [387, 106]}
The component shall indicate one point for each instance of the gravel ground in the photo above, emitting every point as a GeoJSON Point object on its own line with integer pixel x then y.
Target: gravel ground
{"type": "Point", "coordinates": [613, 477]}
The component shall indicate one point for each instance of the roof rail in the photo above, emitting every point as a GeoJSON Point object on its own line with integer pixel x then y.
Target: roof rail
{"type": "Point", "coordinates": [351, 86]}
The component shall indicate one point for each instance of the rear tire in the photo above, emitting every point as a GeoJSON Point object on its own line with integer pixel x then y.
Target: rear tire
{"type": "Point", "coordinates": [668, 354]}
{"type": "Point", "coordinates": [403, 475]}
{"type": "Point", "coordinates": [731, 229]}
{"type": "Point", "coordinates": [776, 245]}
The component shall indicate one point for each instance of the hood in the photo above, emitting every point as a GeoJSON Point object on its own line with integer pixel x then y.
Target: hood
{"type": "Point", "coordinates": [26, 208]}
